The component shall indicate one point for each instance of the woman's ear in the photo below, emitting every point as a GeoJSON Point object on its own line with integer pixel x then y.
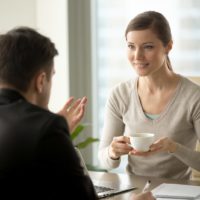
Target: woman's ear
{"type": "Point", "coordinates": [40, 81]}
{"type": "Point", "coordinates": [169, 47]}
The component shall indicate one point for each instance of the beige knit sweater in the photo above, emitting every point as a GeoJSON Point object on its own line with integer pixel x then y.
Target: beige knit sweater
{"type": "Point", "coordinates": [179, 121]}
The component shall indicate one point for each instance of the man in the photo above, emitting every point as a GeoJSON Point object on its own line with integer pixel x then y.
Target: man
{"type": "Point", "coordinates": [37, 158]}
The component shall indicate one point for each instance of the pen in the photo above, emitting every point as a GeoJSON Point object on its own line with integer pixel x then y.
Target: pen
{"type": "Point", "coordinates": [147, 185]}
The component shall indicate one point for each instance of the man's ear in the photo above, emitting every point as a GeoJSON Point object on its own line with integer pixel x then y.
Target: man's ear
{"type": "Point", "coordinates": [40, 81]}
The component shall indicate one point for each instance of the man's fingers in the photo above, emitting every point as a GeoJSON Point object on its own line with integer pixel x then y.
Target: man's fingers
{"type": "Point", "coordinates": [68, 103]}
{"type": "Point", "coordinates": [80, 112]}
{"type": "Point", "coordinates": [84, 100]}
{"type": "Point", "coordinates": [78, 105]}
{"type": "Point", "coordinates": [75, 106]}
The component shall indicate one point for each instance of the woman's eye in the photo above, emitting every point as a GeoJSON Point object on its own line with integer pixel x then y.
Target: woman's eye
{"type": "Point", "coordinates": [130, 46]}
{"type": "Point", "coordinates": [148, 47]}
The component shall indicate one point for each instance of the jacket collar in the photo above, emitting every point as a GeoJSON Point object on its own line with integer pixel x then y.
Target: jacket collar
{"type": "Point", "coordinates": [9, 96]}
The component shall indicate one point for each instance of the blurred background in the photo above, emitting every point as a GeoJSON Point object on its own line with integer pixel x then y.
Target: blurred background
{"type": "Point", "coordinates": [89, 35]}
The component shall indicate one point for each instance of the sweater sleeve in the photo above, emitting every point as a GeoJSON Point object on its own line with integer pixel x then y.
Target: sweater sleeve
{"type": "Point", "coordinates": [113, 124]}
{"type": "Point", "coordinates": [189, 156]}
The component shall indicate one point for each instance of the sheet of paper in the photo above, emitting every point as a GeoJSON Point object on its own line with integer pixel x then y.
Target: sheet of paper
{"type": "Point", "coordinates": [173, 199]}
{"type": "Point", "coordinates": [168, 199]}
{"type": "Point", "coordinates": [176, 191]}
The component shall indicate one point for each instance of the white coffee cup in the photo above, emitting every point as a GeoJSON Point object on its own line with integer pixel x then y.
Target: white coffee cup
{"type": "Point", "coordinates": [142, 141]}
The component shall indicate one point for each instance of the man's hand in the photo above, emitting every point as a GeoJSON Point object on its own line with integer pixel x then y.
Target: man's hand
{"type": "Point", "coordinates": [73, 111]}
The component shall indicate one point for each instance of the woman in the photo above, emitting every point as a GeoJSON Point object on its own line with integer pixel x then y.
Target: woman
{"type": "Point", "coordinates": [158, 101]}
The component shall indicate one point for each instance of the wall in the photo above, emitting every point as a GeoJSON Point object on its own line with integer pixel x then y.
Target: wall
{"type": "Point", "coordinates": [48, 17]}
{"type": "Point", "coordinates": [15, 13]}
{"type": "Point", "coordinates": [51, 19]}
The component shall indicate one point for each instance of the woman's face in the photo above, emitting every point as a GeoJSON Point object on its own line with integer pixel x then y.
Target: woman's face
{"type": "Point", "coordinates": [146, 52]}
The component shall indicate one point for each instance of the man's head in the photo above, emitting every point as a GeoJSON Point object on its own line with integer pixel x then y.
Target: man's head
{"type": "Point", "coordinates": [26, 62]}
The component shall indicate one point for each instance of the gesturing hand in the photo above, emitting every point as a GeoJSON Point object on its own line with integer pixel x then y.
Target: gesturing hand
{"type": "Point", "coordinates": [73, 111]}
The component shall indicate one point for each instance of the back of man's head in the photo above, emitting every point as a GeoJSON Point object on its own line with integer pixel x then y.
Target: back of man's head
{"type": "Point", "coordinates": [23, 53]}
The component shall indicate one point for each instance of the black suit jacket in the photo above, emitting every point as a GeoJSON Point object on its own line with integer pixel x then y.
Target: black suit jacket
{"type": "Point", "coordinates": [37, 157]}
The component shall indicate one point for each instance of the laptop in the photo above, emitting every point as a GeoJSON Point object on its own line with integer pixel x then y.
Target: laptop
{"type": "Point", "coordinates": [105, 188]}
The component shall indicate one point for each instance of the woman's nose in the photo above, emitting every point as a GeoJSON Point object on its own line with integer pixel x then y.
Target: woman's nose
{"type": "Point", "coordinates": [138, 54]}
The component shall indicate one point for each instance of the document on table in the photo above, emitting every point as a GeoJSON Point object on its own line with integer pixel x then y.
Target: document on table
{"type": "Point", "coordinates": [172, 199]}
{"type": "Point", "coordinates": [167, 191]}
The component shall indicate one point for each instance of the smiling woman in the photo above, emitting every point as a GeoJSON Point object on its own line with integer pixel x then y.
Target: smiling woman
{"type": "Point", "coordinates": [149, 47]}
{"type": "Point", "coordinates": [110, 63]}
{"type": "Point", "coordinates": [157, 90]}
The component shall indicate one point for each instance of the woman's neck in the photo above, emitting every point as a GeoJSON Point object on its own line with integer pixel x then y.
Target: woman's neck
{"type": "Point", "coordinates": [158, 81]}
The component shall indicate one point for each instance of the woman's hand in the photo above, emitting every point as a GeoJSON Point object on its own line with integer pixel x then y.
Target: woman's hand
{"type": "Point", "coordinates": [162, 145]}
{"type": "Point", "coordinates": [119, 146]}
{"type": "Point", "coordinates": [73, 111]}
{"type": "Point", "coordinates": [143, 196]}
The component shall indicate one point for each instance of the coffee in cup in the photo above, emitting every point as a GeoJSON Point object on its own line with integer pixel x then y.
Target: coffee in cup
{"type": "Point", "coordinates": [142, 141]}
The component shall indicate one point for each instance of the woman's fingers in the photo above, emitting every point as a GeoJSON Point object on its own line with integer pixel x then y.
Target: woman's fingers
{"type": "Point", "coordinates": [120, 145]}
{"type": "Point", "coordinates": [162, 145]}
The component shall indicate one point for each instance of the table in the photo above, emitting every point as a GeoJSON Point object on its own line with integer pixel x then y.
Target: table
{"type": "Point", "coordinates": [136, 181]}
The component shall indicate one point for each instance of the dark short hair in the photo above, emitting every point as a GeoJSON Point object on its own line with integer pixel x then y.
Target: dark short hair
{"type": "Point", "coordinates": [23, 53]}
{"type": "Point", "coordinates": [156, 22]}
